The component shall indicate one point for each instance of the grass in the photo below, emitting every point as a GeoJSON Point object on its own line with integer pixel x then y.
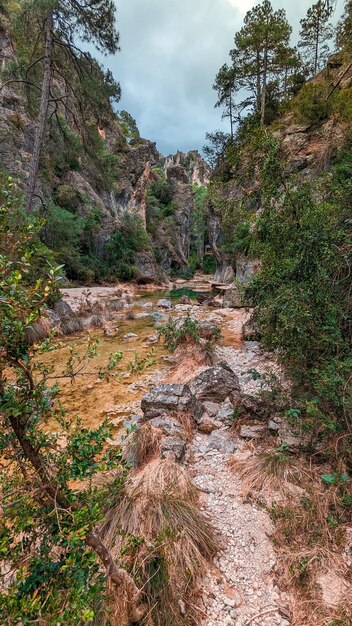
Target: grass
{"type": "Point", "coordinates": [273, 470]}
{"type": "Point", "coordinates": [163, 538]}
{"type": "Point", "coordinates": [144, 444]}
{"type": "Point", "coordinates": [309, 530]}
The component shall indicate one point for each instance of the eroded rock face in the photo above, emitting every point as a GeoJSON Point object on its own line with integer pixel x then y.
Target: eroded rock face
{"type": "Point", "coordinates": [148, 270]}
{"type": "Point", "coordinates": [165, 399]}
{"type": "Point", "coordinates": [216, 384]}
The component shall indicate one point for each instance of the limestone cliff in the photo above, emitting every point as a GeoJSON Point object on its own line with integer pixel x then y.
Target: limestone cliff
{"type": "Point", "coordinates": [308, 136]}
{"type": "Point", "coordinates": [198, 171]}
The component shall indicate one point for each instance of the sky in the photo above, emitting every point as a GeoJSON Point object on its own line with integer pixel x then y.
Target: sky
{"type": "Point", "coordinates": [170, 53]}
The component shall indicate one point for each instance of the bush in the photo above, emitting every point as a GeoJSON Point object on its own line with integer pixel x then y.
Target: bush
{"type": "Point", "coordinates": [311, 103]}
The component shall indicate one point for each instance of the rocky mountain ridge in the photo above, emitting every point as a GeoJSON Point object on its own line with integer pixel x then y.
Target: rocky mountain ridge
{"type": "Point", "coordinates": [107, 186]}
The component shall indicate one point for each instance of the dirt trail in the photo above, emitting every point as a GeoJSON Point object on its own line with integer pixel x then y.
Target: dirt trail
{"type": "Point", "coordinates": [242, 583]}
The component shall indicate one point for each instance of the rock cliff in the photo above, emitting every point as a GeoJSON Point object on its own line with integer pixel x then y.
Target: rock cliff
{"type": "Point", "coordinates": [100, 186]}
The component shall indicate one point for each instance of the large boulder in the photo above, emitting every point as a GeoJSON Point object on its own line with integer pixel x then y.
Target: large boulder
{"type": "Point", "coordinates": [63, 310]}
{"type": "Point", "coordinates": [165, 399]}
{"type": "Point", "coordinates": [147, 269]}
{"type": "Point", "coordinates": [233, 298]}
{"type": "Point", "coordinates": [216, 384]}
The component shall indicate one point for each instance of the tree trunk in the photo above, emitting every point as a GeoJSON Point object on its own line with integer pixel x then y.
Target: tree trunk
{"type": "Point", "coordinates": [265, 72]}
{"type": "Point", "coordinates": [259, 85]}
{"type": "Point", "coordinates": [43, 111]}
{"type": "Point", "coordinates": [231, 117]}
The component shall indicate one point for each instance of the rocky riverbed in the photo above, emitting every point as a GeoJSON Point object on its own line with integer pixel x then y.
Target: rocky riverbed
{"type": "Point", "coordinates": [241, 587]}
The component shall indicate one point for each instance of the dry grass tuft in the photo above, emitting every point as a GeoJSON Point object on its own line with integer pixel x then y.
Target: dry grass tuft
{"type": "Point", "coordinates": [271, 470]}
{"type": "Point", "coordinates": [144, 444]}
{"type": "Point", "coordinates": [190, 360]}
{"type": "Point", "coordinates": [164, 539]}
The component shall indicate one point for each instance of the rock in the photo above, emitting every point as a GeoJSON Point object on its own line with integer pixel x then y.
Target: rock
{"type": "Point", "coordinates": [63, 310]}
{"type": "Point", "coordinates": [148, 270]}
{"type": "Point", "coordinates": [133, 421]}
{"type": "Point", "coordinates": [252, 431]}
{"type": "Point", "coordinates": [250, 331]}
{"type": "Point", "coordinates": [185, 300]}
{"type": "Point", "coordinates": [141, 316]}
{"type": "Point", "coordinates": [220, 441]}
{"type": "Point", "coordinates": [216, 383]}
{"type": "Point", "coordinates": [130, 337]}
{"type": "Point", "coordinates": [207, 425]}
{"type": "Point", "coordinates": [201, 298]}
{"type": "Point", "coordinates": [167, 425]}
{"type": "Point", "coordinates": [252, 406]}
{"type": "Point", "coordinates": [212, 408]}
{"type": "Point", "coordinates": [52, 317]}
{"type": "Point", "coordinates": [164, 304]}
{"type": "Point", "coordinates": [274, 424]}
{"type": "Point", "coordinates": [116, 304]}
{"type": "Point", "coordinates": [225, 414]}
{"type": "Point", "coordinates": [151, 339]}
{"type": "Point", "coordinates": [147, 305]}
{"type": "Point", "coordinates": [170, 398]}
{"type": "Point", "coordinates": [173, 448]}
{"type": "Point", "coordinates": [233, 298]}
{"type": "Point", "coordinates": [294, 439]}
{"type": "Point", "coordinates": [159, 318]}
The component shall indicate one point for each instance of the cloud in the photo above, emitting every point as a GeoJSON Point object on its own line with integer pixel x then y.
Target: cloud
{"type": "Point", "coordinates": [170, 53]}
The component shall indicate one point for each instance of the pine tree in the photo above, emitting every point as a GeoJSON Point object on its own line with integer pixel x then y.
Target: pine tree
{"type": "Point", "coordinates": [51, 31]}
{"type": "Point", "coordinates": [344, 28]}
{"type": "Point", "coordinates": [258, 51]}
{"type": "Point", "coordinates": [315, 34]}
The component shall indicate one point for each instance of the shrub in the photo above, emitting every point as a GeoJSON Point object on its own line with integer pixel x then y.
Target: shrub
{"type": "Point", "coordinates": [311, 103]}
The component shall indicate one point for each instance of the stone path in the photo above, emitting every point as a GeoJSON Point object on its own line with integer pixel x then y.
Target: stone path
{"type": "Point", "coordinates": [242, 583]}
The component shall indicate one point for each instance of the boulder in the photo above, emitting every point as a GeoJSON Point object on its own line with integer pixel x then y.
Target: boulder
{"type": "Point", "coordinates": [173, 448]}
{"type": "Point", "coordinates": [219, 440]}
{"type": "Point", "coordinates": [63, 310]}
{"type": "Point", "coordinates": [216, 383]}
{"type": "Point", "coordinates": [167, 425]}
{"type": "Point", "coordinates": [185, 300]}
{"type": "Point", "coordinates": [212, 408]}
{"type": "Point", "coordinates": [151, 339]}
{"type": "Point", "coordinates": [165, 399]}
{"type": "Point", "coordinates": [164, 304]}
{"type": "Point", "coordinates": [253, 406]}
{"type": "Point", "coordinates": [130, 337]}
{"type": "Point", "coordinates": [147, 270]}
{"type": "Point", "coordinates": [225, 414]}
{"type": "Point", "coordinates": [233, 298]}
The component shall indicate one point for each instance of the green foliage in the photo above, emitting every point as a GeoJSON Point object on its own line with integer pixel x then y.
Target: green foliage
{"type": "Point", "coordinates": [45, 522]}
{"type": "Point", "coordinates": [119, 252]}
{"type": "Point", "coordinates": [302, 237]}
{"type": "Point", "coordinates": [176, 334]}
{"type": "Point", "coordinates": [311, 103]}
{"type": "Point", "coordinates": [141, 363]}
{"type": "Point", "coordinates": [316, 32]}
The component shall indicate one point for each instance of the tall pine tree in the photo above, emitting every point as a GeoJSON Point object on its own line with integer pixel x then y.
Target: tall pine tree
{"type": "Point", "coordinates": [315, 34]}
{"type": "Point", "coordinates": [56, 68]}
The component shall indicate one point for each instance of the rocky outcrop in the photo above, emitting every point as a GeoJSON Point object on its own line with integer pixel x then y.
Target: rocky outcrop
{"type": "Point", "coordinates": [197, 170]}
{"type": "Point", "coordinates": [215, 384]}
{"type": "Point", "coordinates": [166, 399]}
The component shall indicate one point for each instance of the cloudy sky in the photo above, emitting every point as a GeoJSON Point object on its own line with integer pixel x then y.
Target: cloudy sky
{"type": "Point", "coordinates": [170, 53]}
